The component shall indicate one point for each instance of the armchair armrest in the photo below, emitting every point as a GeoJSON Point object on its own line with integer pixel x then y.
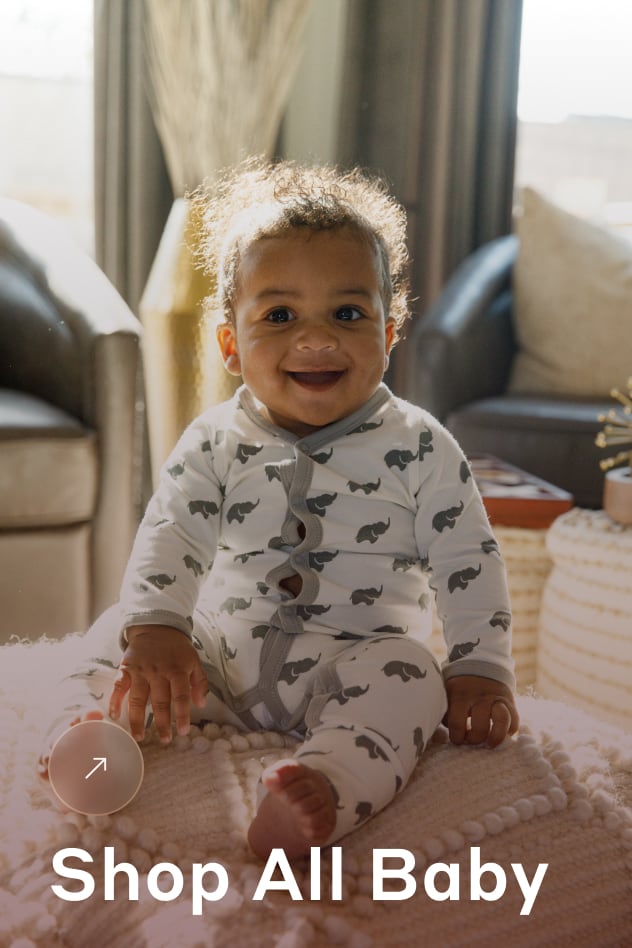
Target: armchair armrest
{"type": "Point", "coordinates": [57, 308]}
{"type": "Point", "coordinates": [463, 349]}
{"type": "Point", "coordinates": [68, 337]}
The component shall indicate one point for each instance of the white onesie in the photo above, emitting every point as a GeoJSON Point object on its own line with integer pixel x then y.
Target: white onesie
{"type": "Point", "coordinates": [369, 513]}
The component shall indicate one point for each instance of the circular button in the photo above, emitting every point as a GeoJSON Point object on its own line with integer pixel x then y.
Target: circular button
{"type": "Point", "coordinates": [95, 768]}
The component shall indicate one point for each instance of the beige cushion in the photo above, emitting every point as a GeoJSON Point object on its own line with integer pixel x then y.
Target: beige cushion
{"type": "Point", "coordinates": [45, 582]}
{"type": "Point", "coordinates": [572, 304]}
{"type": "Point", "coordinates": [48, 465]}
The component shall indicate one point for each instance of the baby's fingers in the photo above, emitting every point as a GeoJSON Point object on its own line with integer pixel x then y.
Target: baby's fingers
{"type": "Point", "coordinates": [121, 686]}
{"type": "Point", "coordinates": [501, 723]}
{"type": "Point", "coordinates": [183, 690]}
{"type": "Point", "coordinates": [199, 687]}
{"type": "Point", "coordinates": [456, 720]}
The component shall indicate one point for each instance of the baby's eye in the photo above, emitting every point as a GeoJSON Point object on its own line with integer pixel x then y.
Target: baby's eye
{"type": "Point", "coordinates": [348, 314]}
{"type": "Point", "coordinates": [279, 315]}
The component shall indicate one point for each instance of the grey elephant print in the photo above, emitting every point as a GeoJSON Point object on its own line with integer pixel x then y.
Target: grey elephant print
{"type": "Point", "coordinates": [323, 457]}
{"type": "Point", "coordinates": [390, 630]}
{"type": "Point", "coordinates": [462, 649]}
{"type": "Point", "coordinates": [161, 580]}
{"type": "Point", "coordinates": [245, 451]}
{"type": "Point", "coordinates": [291, 671]}
{"type": "Point", "coordinates": [366, 596]}
{"type": "Point", "coordinates": [259, 631]}
{"type": "Point", "coordinates": [399, 458]}
{"type": "Point", "coordinates": [196, 568]}
{"type": "Point", "coordinates": [227, 652]}
{"type": "Point", "coordinates": [404, 670]}
{"type": "Point", "coordinates": [244, 557]}
{"type": "Point", "coordinates": [105, 662]}
{"type": "Point", "coordinates": [307, 612]}
{"type": "Point", "coordinates": [372, 531]}
{"type": "Point", "coordinates": [239, 512]}
{"type": "Point", "coordinates": [235, 604]}
{"type": "Point", "coordinates": [273, 472]}
{"type": "Point", "coordinates": [446, 519]}
{"type": "Point", "coordinates": [368, 744]}
{"type": "Point", "coordinates": [464, 472]}
{"type": "Point", "coordinates": [490, 546]}
{"type": "Point", "coordinates": [369, 488]}
{"type": "Point", "coordinates": [367, 426]}
{"type": "Point", "coordinates": [462, 578]}
{"type": "Point", "coordinates": [403, 563]}
{"type": "Point", "coordinates": [346, 694]}
{"type": "Point", "coordinates": [318, 559]}
{"type": "Point", "coordinates": [205, 507]}
{"type": "Point", "coordinates": [318, 505]}
{"type": "Point", "coordinates": [425, 443]}
{"type": "Point", "coordinates": [364, 811]}
{"type": "Point", "coordinates": [501, 618]}
{"type": "Point", "coordinates": [418, 740]}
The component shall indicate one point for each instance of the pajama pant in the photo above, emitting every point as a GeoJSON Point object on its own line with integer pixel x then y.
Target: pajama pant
{"type": "Point", "coordinates": [364, 709]}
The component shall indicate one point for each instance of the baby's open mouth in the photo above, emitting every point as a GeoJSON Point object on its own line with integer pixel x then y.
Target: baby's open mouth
{"type": "Point", "coordinates": [317, 379]}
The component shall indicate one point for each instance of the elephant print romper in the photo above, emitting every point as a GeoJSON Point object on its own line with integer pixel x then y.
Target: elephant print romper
{"type": "Point", "coordinates": [358, 518]}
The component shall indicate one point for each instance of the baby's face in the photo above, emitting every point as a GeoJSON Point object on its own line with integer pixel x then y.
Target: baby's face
{"type": "Point", "coordinates": [310, 336]}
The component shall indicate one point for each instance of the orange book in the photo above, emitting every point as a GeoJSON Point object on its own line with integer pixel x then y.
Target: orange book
{"type": "Point", "coordinates": [515, 498]}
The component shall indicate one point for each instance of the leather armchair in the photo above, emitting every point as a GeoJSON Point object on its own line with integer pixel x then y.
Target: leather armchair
{"type": "Point", "coordinates": [458, 364]}
{"type": "Point", "coordinates": [69, 430]}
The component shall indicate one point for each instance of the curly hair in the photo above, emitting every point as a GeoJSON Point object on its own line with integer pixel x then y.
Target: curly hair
{"type": "Point", "coordinates": [259, 199]}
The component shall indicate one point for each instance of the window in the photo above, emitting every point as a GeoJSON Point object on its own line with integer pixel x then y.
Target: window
{"type": "Point", "coordinates": [575, 107]}
{"type": "Point", "coordinates": [46, 109]}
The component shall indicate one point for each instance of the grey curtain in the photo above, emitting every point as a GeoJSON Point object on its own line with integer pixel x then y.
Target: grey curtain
{"type": "Point", "coordinates": [430, 101]}
{"type": "Point", "coordinates": [133, 195]}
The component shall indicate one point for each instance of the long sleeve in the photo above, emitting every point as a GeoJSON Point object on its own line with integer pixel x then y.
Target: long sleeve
{"type": "Point", "coordinates": [177, 539]}
{"type": "Point", "coordinates": [468, 574]}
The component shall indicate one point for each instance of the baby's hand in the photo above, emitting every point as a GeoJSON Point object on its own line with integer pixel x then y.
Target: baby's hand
{"type": "Point", "coordinates": [489, 704]}
{"type": "Point", "coordinates": [161, 665]}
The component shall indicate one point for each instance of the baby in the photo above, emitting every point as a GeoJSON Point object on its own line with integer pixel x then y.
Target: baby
{"type": "Point", "coordinates": [281, 576]}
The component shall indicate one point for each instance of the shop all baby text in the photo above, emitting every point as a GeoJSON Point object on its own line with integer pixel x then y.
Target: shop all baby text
{"type": "Point", "coordinates": [393, 879]}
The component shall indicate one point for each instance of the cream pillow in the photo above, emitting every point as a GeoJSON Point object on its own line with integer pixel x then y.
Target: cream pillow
{"type": "Point", "coordinates": [572, 288]}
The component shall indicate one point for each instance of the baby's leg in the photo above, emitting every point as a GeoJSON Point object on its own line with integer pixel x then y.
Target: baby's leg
{"type": "Point", "coordinates": [298, 810]}
{"type": "Point", "coordinates": [373, 711]}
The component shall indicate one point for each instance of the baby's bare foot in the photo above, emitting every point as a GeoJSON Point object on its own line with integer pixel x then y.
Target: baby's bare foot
{"type": "Point", "coordinates": [42, 764]}
{"type": "Point", "coordinates": [298, 812]}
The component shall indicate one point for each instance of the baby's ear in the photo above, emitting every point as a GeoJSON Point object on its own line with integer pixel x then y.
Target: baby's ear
{"type": "Point", "coordinates": [391, 339]}
{"type": "Point", "coordinates": [227, 342]}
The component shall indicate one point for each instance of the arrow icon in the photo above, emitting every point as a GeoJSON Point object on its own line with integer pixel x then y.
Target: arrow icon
{"type": "Point", "coordinates": [101, 761]}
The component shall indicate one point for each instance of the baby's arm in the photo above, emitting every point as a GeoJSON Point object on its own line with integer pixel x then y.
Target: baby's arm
{"type": "Point", "coordinates": [468, 574]}
{"type": "Point", "coordinates": [489, 704]}
{"type": "Point", "coordinates": [161, 665]}
{"type": "Point", "coordinates": [172, 556]}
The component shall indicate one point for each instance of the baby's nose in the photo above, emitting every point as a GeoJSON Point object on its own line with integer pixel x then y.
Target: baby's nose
{"type": "Point", "coordinates": [317, 337]}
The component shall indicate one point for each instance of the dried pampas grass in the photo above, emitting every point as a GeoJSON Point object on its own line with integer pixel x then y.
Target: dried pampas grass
{"type": "Point", "coordinates": [221, 72]}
